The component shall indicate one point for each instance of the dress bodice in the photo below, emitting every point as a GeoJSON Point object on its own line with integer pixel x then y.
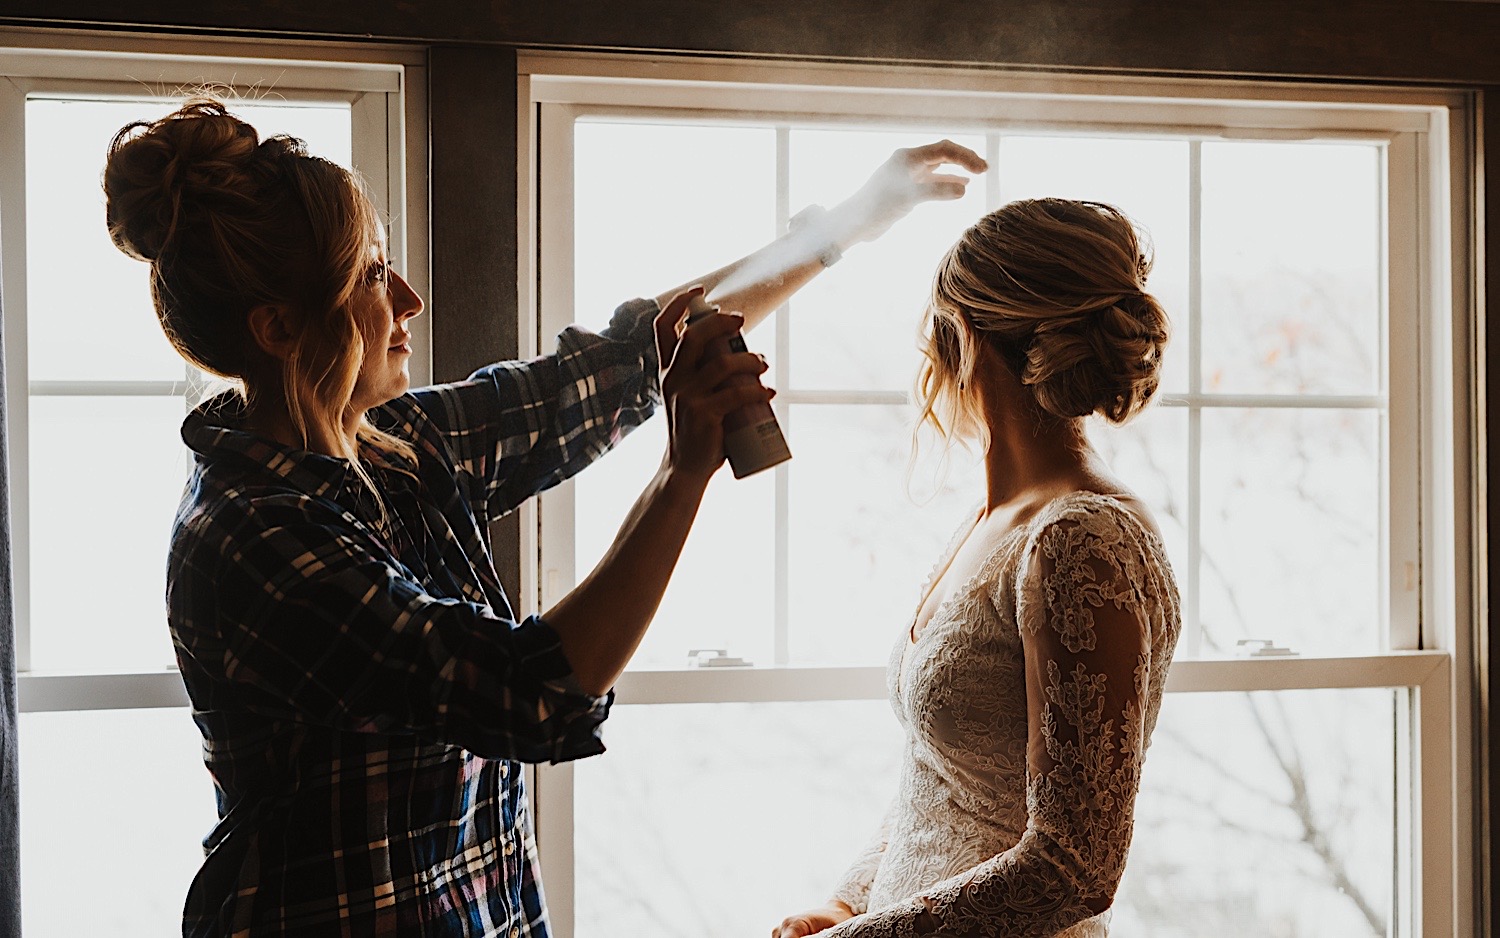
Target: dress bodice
{"type": "Point", "coordinates": [1027, 700]}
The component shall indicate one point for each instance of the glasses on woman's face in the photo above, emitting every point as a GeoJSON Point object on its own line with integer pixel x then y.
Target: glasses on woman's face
{"type": "Point", "coordinates": [378, 274]}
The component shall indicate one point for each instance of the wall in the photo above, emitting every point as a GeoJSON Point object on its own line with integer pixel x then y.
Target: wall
{"type": "Point", "coordinates": [1419, 40]}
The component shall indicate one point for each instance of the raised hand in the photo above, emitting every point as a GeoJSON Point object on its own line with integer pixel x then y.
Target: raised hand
{"type": "Point", "coordinates": [908, 178]}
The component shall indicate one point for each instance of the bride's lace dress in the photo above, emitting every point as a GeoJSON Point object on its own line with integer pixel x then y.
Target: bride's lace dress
{"type": "Point", "coordinates": [1027, 700]}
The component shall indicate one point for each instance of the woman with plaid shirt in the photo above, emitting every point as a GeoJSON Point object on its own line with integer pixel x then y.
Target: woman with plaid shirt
{"type": "Point", "coordinates": [363, 687]}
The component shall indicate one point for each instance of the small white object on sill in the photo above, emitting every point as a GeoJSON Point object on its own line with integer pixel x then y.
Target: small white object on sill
{"type": "Point", "coordinates": [715, 658]}
{"type": "Point", "coordinates": [1260, 648]}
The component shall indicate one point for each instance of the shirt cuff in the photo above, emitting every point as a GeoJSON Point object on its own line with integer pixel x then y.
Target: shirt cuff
{"type": "Point", "coordinates": [634, 323]}
{"type": "Point", "coordinates": [570, 719]}
{"type": "Point", "coordinates": [582, 714]}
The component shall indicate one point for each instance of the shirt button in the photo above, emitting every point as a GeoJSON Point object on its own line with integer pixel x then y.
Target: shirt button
{"type": "Point", "coordinates": [510, 848]}
{"type": "Point", "coordinates": [504, 769]}
{"type": "Point", "coordinates": [515, 933]}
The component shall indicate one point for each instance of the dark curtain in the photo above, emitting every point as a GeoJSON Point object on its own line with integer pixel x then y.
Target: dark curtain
{"type": "Point", "coordinates": [10, 815]}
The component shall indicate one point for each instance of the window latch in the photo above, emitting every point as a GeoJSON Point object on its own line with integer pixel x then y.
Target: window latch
{"type": "Point", "coordinates": [1261, 648]}
{"type": "Point", "coordinates": [715, 658]}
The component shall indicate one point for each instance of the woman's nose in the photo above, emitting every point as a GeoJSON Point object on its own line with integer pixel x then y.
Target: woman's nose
{"type": "Point", "coordinates": [405, 303]}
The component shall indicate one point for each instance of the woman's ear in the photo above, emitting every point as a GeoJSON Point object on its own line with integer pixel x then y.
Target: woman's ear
{"type": "Point", "coordinates": [272, 329]}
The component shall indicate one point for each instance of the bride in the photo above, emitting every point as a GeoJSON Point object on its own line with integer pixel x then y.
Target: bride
{"type": "Point", "coordinates": [1029, 680]}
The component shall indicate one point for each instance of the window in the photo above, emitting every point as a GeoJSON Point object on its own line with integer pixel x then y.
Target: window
{"type": "Point", "coordinates": [1306, 460]}
{"type": "Point", "coordinates": [96, 396]}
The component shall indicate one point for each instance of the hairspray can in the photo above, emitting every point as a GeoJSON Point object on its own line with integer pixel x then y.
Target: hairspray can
{"type": "Point", "coordinates": [752, 437]}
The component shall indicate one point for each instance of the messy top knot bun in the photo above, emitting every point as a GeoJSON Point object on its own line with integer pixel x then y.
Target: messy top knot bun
{"type": "Point", "coordinates": [157, 169]}
{"type": "Point", "coordinates": [1057, 288]}
{"type": "Point", "coordinates": [231, 223]}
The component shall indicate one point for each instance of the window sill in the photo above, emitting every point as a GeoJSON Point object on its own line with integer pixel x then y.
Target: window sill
{"type": "Point", "coordinates": [55, 691]}
{"type": "Point", "coordinates": [42, 692]}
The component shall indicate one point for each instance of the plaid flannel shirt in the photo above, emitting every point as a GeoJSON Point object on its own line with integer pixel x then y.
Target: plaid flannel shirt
{"type": "Point", "coordinates": [363, 689]}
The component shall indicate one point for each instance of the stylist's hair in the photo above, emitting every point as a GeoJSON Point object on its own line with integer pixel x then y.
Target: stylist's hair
{"type": "Point", "coordinates": [1057, 288]}
{"type": "Point", "coordinates": [230, 222]}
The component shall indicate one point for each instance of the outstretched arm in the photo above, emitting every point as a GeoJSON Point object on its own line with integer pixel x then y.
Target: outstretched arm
{"type": "Point", "coordinates": [757, 284]}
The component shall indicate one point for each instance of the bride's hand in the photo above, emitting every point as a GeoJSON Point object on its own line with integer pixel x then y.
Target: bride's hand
{"type": "Point", "coordinates": [905, 180]}
{"type": "Point", "coordinates": [813, 922]}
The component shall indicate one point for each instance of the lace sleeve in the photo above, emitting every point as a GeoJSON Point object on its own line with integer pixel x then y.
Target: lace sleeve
{"type": "Point", "coordinates": [854, 888]}
{"type": "Point", "coordinates": [1085, 616]}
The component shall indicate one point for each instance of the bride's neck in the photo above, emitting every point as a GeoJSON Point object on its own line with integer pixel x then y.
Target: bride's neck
{"type": "Point", "coordinates": [1024, 457]}
{"type": "Point", "coordinates": [1030, 452]}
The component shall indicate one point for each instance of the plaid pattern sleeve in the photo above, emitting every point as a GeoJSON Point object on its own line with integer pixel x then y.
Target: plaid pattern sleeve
{"type": "Point", "coordinates": [517, 428]}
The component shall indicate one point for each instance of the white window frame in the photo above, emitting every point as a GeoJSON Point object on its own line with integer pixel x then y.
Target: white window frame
{"type": "Point", "coordinates": [1431, 421]}
{"type": "Point", "coordinates": [387, 94]}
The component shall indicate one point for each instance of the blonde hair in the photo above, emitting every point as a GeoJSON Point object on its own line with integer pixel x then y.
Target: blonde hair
{"type": "Point", "coordinates": [1057, 288]}
{"type": "Point", "coordinates": [230, 222]}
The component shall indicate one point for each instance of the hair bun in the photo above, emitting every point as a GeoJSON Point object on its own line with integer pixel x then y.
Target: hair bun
{"type": "Point", "coordinates": [1107, 360]}
{"type": "Point", "coordinates": [157, 171]}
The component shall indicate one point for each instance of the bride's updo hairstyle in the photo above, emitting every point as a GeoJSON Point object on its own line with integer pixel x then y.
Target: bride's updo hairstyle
{"type": "Point", "coordinates": [1057, 288]}
{"type": "Point", "coordinates": [230, 222]}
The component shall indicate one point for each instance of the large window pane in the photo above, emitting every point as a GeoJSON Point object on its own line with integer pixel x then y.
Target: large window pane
{"type": "Point", "coordinates": [656, 204]}
{"type": "Point", "coordinates": [114, 808]}
{"type": "Point", "coordinates": [89, 306]}
{"type": "Point", "coordinates": [865, 525]}
{"type": "Point", "coordinates": [1291, 529]}
{"type": "Point", "coordinates": [106, 476]}
{"type": "Point", "coordinates": [857, 325]}
{"type": "Point", "coordinates": [1292, 251]}
{"type": "Point", "coordinates": [722, 592]}
{"type": "Point", "coordinates": [718, 820]}
{"type": "Point", "coordinates": [1266, 814]}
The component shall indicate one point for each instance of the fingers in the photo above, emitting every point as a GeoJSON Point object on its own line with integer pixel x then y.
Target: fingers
{"type": "Point", "coordinates": [668, 324]}
{"type": "Point", "coordinates": [795, 927]}
{"type": "Point", "coordinates": [724, 384]}
{"type": "Point", "coordinates": [724, 402]}
{"type": "Point", "coordinates": [716, 381]}
{"type": "Point", "coordinates": [944, 151]}
{"type": "Point", "coordinates": [942, 188]}
{"type": "Point", "coordinates": [703, 332]}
